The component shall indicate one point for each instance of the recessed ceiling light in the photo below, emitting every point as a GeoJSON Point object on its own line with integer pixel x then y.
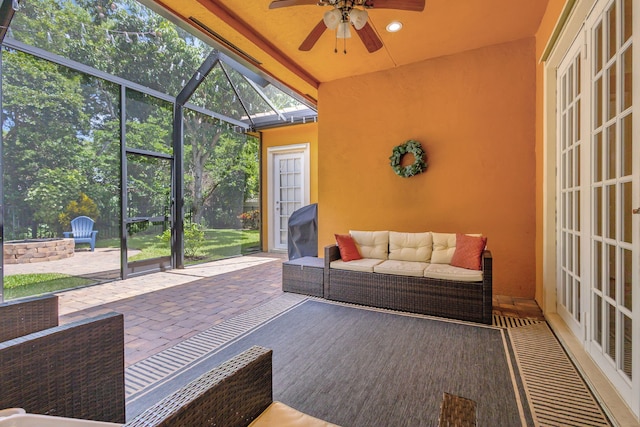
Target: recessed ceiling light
{"type": "Point", "coordinates": [394, 26]}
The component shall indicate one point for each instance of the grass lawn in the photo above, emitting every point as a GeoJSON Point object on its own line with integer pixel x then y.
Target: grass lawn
{"type": "Point", "coordinates": [218, 243]}
{"type": "Point", "coordinates": [24, 285]}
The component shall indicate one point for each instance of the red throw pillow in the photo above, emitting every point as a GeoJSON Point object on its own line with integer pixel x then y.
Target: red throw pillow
{"type": "Point", "coordinates": [347, 246]}
{"type": "Point", "coordinates": [468, 252]}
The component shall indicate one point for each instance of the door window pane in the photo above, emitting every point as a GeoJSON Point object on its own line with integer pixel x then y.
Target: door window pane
{"type": "Point", "coordinates": [610, 328]}
{"type": "Point", "coordinates": [149, 123]}
{"type": "Point", "coordinates": [597, 157]}
{"type": "Point", "coordinates": [627, 21]}
{"type": "Point", "coordinates": [612, 92]}
{"type": "Point", "coordinates": [611, 153]}
{"type": "Point", "coordinates": [611, 24]}
{"type": "Point", "coordinates": [597, 266]}
{"type": "Point", "coordinates": [597, 41]}
{"type": "Point", "coordinates": [627, 146]}
{"type": "Point", "coordinates": [613, 273]}
{"type": "Point", "coordinates": [627, 269]}
{"type": "Point", "coordinates": [627, 359]}
{"type": "Point", "coordinates": [627, 77]}
{"type": "Point", "coordinates": [598, 104]}
{"type": "Point", "coordinates": [597, 319]}
{"type": "Point", "coordinates": [597, 211]}
{"type": "Point", "coordinates": [611, 214]}
{"type": "Point", "coordinates": [627, 207]}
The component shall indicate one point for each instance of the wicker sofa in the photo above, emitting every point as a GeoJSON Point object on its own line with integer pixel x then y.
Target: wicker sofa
{"type": "Point", "coordinates": [429, 286]}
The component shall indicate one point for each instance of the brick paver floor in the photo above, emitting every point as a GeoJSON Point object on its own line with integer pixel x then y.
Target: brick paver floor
{"type": "Point", "coordinates": [162, 309]}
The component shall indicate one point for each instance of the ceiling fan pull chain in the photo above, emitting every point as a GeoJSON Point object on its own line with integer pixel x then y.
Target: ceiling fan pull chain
{"type": "Point", "coordinates": [345, 46]}
{"type": "Point", "coordinates": [335, 49]}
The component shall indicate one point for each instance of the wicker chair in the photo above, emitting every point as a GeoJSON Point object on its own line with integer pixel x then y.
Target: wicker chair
{"type": "Point", "coordinates": [232, 395]}
{"type": "Point", "coordinates": [74, 370]}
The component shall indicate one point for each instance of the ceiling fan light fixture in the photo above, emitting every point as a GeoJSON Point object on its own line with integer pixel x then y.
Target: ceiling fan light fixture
{"type": "Point", "coordinates": [344, 32]}
{"type": "Point", "coordinates": [394, 26]}
{"type": "Point", "coordinates": [358, 18]}
{"type": "Point", "coordinates": [332, 18]}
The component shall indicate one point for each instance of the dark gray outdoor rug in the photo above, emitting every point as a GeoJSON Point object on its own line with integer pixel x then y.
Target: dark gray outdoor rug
{"type": "Point", "coordinates": [355, 366]}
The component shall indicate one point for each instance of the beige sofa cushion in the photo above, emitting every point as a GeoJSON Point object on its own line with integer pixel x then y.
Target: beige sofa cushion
{"type": "Point", "coordinates": [401, 268]}
{"type": "Point", "coordinates": [410, 246]}
{"type": "Point", "coordinates": [365, 264]}
{"type": "Point", "coordinates": [372, 244]}
{"type": "Point", "coordinates": [444, 246]}
{"type": "Point", "coordinates": [280, 415]}
{"type": "Point", "coordinates": [449, 272]}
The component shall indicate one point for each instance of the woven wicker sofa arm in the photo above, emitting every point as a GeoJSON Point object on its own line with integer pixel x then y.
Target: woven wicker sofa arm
{"type": "Point", "coordinates": [25, 316]}
{"type": "Point", "coordinates": [232, 394]}
{"type": "Point", "coordinates": [331, 253]}
{"type": "Point", "coordinates": [487, 261]}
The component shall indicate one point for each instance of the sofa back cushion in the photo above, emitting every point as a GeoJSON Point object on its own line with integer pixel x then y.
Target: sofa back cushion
{"type": "Point", "coordinates": [444, 246]}
{"type": "Point", "coordinates": [410, 246]}
{"type": "Point", "coordinates": [372, 244]}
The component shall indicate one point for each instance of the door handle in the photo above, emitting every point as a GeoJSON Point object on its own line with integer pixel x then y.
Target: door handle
{"type": "Point", "coordinates": [636, 211]}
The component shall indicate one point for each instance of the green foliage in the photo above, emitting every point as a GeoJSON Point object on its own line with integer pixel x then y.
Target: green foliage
{"type": "Point", "coordinates": [250, 219]}
{"type": "Point", "coordinates": [84, 206]}
{"type": "Point", "coordinates": [57, 119]}
{"type": "Point", "coordinates": [53, 190]}
{"type": "Point", "coordinates": [193, 239]}
{"type": "Point", "coordinates": [409, 147]}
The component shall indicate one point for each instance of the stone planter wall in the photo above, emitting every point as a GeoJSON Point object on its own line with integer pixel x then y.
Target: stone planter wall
{"type": "Point", "coordinates": [22, 252]}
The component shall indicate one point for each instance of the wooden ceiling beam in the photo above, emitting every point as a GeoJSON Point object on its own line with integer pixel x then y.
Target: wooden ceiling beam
{"type": "Point", "coordinates": [239, 25]}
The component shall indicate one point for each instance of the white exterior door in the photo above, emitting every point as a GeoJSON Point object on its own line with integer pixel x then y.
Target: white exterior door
{"type": "Point", "coordinates": [598, 192]}
{"type": "Point", "coordinates": [289, 190]}
{"type": "Point", "coordinates": [571, 212]}
{"type": "Point", "coordinates": [613, 187]}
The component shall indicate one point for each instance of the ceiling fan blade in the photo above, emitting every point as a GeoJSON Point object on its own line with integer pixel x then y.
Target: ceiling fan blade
{"type": "Point", "coordinates": [414, 5]}
{"type": "Point", "coordinates": [369, 37]}
{"type": "Point", "coordinates": [285, 3]}
{"type": "Point", "coordinates": [313, 37]}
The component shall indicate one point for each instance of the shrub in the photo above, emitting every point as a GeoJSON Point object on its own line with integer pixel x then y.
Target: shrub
{"type": "Point", "coordinates": [193, 239]}
{"type": "Point", "coordinates": [84, 206]}
{"type": "Point", "coordinates": [250, 219]}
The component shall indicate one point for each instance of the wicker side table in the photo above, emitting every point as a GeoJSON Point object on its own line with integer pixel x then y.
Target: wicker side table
{"type": "Point", "coordinates": [304, 276]}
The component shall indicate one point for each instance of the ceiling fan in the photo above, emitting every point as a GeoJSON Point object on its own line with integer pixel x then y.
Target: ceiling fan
{"type": "Point", "coordinates": [346, 13]}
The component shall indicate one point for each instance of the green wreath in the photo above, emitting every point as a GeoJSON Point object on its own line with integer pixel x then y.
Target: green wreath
{"type": "Point", "coordinates": [409, 147]}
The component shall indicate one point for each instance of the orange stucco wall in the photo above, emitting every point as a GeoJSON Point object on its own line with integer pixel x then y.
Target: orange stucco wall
{"type": "Point", "coordinates": [474, 114]}
{"type": "Point", "coordinates": [552, 13]}
{"type": "Point", "coordinates": [288, 135]}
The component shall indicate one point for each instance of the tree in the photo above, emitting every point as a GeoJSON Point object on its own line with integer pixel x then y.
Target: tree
{"type": "Point", "coordinates": [57, 121]}
{"type": "Point", "coordinates": [52, 192]}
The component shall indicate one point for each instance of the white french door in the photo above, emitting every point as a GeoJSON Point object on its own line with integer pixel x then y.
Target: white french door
{"type": "Point", "coordinates": [289, 177]}
{"type": "Point", "coordinates": [598, 254]}
{"type": "Point", "coordinates": [570, 196]}
{"type": "Point", "coordinates": [614, 191]}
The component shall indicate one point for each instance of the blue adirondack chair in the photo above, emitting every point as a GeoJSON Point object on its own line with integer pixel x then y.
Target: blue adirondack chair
{"type": "Point", "coordinates": [82, 231]}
